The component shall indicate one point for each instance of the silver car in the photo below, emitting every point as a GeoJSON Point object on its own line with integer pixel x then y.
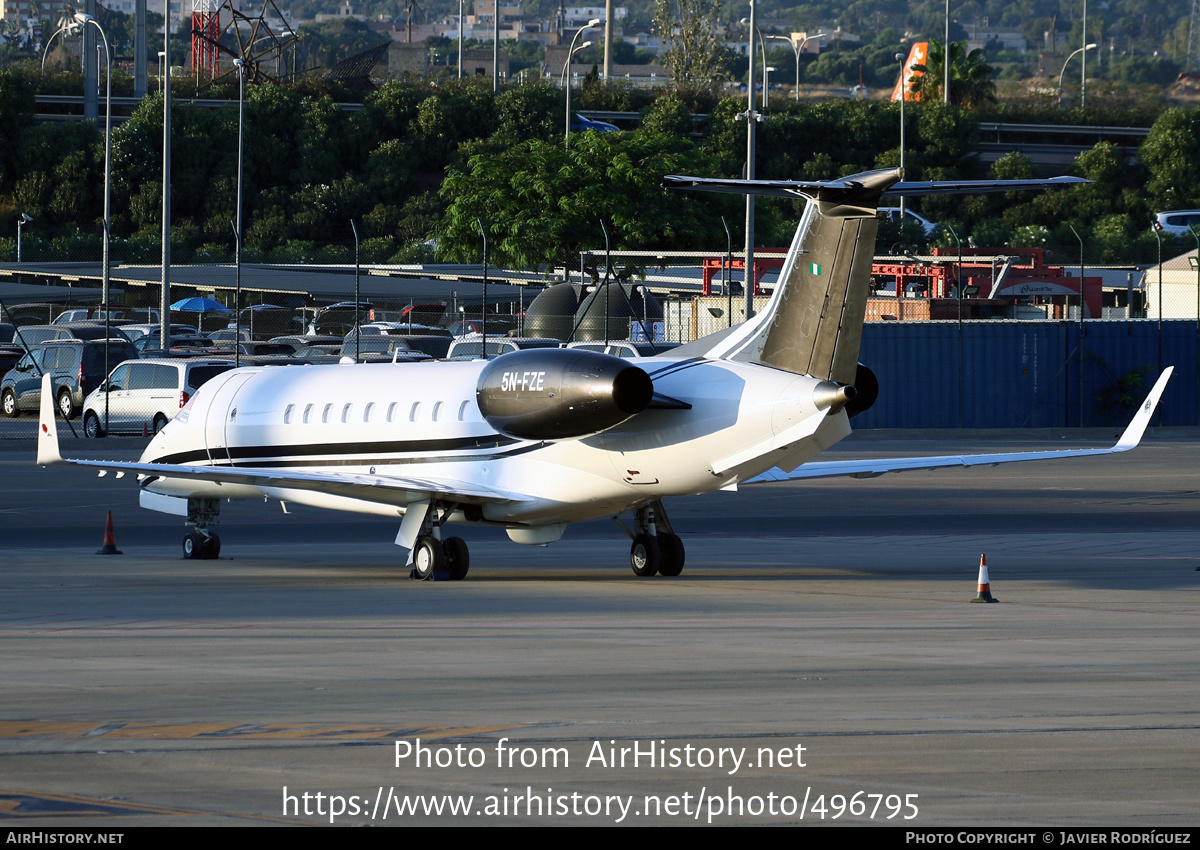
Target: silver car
{"type": "Point", "coordinates": [144, 394]}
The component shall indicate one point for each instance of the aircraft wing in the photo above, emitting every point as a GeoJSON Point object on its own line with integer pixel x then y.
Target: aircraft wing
{"type": "Point", "coordinates": [870, 468]}
{"type": "Point", "coordinates": [385, 489]}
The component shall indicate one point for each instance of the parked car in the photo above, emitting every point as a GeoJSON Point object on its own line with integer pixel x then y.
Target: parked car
{"type": "Point", "coordinates": [29, 336]}
{"type": "Point", "coordinates": [75, 366]}
{"type": "Point", "coordinates": [626, 347]}
{"type": "Point", "coordinates": [580, 124]}
{"type": "Point", "coordinates": [136, 332]}
{"type": "Point", "coordinates": [893, 214]}
{"type": "Point", "coordinates": [88, 330]}
{"type": "Point", "coordinates": [471, 347]}
{"type": "Point", "coordinates": [10, 355]}
{"type": "Point", "coordinates": [381, 349]}
{"type": "Point", "coordinates": [146, 394]}
{"type": "Point", "coordinates": [301, 342]}
{"type": "Point", "coordinates": [1177, 222]}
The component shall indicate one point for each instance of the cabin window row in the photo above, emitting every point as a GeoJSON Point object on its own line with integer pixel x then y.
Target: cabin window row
{"type": "Point", "coordinates": [394, 412]}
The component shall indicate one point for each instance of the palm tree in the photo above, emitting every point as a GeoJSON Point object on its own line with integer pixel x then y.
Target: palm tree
{"type": "Point", "coordinates": [970, 76]}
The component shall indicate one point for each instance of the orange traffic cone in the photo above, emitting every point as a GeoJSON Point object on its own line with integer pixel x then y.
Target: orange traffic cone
{"type": "Point", "coordinates": [110, 542]}
{"type": "Point", "coordinates": [985, 587]}
{"type": "Point", "coordinates": [145, 430]}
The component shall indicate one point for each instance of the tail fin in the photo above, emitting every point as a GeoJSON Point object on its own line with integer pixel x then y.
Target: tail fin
{"type": "Point", "coordinates": [47, 447]}
{"type": "Point", "coordinates": [813, 323]}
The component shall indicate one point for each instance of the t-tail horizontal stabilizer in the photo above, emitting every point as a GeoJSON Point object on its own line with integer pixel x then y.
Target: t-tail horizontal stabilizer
{"type": "Point", "coordinates": [873, 467]}
{"type": "Point", "coordinates": [813, 322]}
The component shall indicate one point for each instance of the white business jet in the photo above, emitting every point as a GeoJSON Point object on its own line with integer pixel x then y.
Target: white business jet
{"type": "Point", "coordinates": [534, 440]}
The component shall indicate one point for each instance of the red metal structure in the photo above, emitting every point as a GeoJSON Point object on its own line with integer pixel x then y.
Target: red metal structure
{"type": "Point", "coordinates": [206, 28]}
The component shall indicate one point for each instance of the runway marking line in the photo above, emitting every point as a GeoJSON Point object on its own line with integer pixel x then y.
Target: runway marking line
{"type": "Point", "coordinates": [239, 731]}
{"type": "Point", "coordinates": [20, 804]}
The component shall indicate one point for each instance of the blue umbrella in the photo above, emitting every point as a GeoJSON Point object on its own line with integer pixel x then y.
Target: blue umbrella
{"type": "Point", "coordinates": [199, 304]}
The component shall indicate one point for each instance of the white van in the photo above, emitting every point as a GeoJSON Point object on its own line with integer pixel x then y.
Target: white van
{"type": "Point", "coordinates": [145, 394]}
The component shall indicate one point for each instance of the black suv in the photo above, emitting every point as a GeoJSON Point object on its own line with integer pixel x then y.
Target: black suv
{"type": "Point", "coordinates": [76, 368]}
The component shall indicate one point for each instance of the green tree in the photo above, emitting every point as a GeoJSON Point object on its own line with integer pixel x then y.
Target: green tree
{"type": "Point", "coordinates": [1171, 155]}
{"type": "Point", "coordinates": [543, 204]}
{"type": "Point", "coordinates": [695, 55]}
{"type": "Point", "coordinates": [971, 83]}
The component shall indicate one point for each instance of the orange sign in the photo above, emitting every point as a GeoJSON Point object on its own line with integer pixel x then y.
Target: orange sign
{"type": "Point", "coordinates": [917, 56]}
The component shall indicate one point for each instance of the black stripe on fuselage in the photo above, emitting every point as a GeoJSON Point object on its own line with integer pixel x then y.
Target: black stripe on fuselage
{"type": "Point", "coordinates": [236, 453]}
{"type": "Point", "coordinates": [677, 367]}
{"type": "Point", "coordinates": [274, 462]}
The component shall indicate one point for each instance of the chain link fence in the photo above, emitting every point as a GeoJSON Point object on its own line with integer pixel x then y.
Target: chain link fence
{"type": "Point", "coordinates": [950, 347]}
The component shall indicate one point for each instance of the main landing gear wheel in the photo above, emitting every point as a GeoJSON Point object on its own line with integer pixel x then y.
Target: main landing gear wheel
{"type": "Point", "coordinates": [645, 555]}
{"type": "Point", "coordinates": [671, 547]}
{"type": "Point", "coordinates": [458, 559]}
{"type": "Point", "coordinates": [428, 557]}
{"type": "Point", "coordinates": [201, 547]}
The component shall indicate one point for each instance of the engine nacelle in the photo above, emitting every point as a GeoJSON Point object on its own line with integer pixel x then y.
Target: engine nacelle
{"type": "Point", "coordinates": [560, 393]}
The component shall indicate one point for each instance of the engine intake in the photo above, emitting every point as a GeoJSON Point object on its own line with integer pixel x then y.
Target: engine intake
{"type": "Point", "coordinates": [560, 393]}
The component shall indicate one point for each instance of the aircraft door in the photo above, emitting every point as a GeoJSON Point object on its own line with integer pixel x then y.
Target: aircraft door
{"type": "Point", "coordinates": [224, 389]}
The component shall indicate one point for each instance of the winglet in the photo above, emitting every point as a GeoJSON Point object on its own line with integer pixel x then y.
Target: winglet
{"type": "Point", "coordinates": [47, 450]}
{"type": "Point", "coordinates": [1137, 426]}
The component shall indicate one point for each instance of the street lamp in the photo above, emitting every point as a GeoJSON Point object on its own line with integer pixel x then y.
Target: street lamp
{"type": "Point", "coordinates": [1064, 70]}
{"type": "Point", "coordinates": [571, 51]}
{"type": "Point", "coordinates": [752, 119]}
{"type": "Point", "coordinates": [767, 69]}
{"type": "Point", "coordinates": [21, 222]}
{"type": "Point", "coordinates": [82, 20]}
{"type": "Point", "coordinates": [68, 27]}
{"type": "Point", "coordinates": [796, 49]}
{"type": "Point", "coordinates": [900, 57]}
{"type": "Point", "coordinates": [240, 64]}
{"type": "Point", "coordinates": [753, 27]}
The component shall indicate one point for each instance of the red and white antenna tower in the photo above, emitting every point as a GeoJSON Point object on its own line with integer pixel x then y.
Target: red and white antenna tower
{"type": "Point", "coordinates": [206, 26]}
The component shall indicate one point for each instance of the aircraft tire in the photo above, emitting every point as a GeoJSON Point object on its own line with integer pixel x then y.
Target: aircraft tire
{"type": "Point", "coordinates": [427, 558]}
{"type": "Point", "coordinates": [458, 557]}
{"type": "Point", "coordinates": [671, 546]}
{"type": "Point", "coordinates": [193, 545]}
{"type": "Point", "coordinates": [645, 555]}
{"type": "Point", "coordinates": [211, 549]}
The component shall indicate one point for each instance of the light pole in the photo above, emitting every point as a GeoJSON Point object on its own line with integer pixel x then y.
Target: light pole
{"type": "Point", "coordinates": [594, 22]}
{"type": "Point", "coordinates": [749, 22]}
{"type": "Point", "coordinates": [752, 119]}
{"type": "Point", "coordinates": [1064, 70]}
{"type": "Point", "coordinates": [797, 49]}
{"type": "Point", "coordinates": [82, 20]}
{"type": "Point", "coordinates": [358, 300]}
{"type": "Point", "coordinates": [767, 69]}
{"type": "Point", "coordinates": [1083, 61]}
{"type": "Point", "coordinates": [237, 230]}
{"type": "Point", "coordinates": [66, 27]}
{"type": "Point", "coordinates": [900, 57]}
{"type": "Point", "coordinates": [21, 222]}
{"type": "Point", "coordinates": [460, 37]}
{"type": "Point", "coordinates": [495, 46]}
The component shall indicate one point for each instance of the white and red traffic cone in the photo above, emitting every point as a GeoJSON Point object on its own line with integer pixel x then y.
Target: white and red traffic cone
{"type": "Point", "coordinates": [985, 588]}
